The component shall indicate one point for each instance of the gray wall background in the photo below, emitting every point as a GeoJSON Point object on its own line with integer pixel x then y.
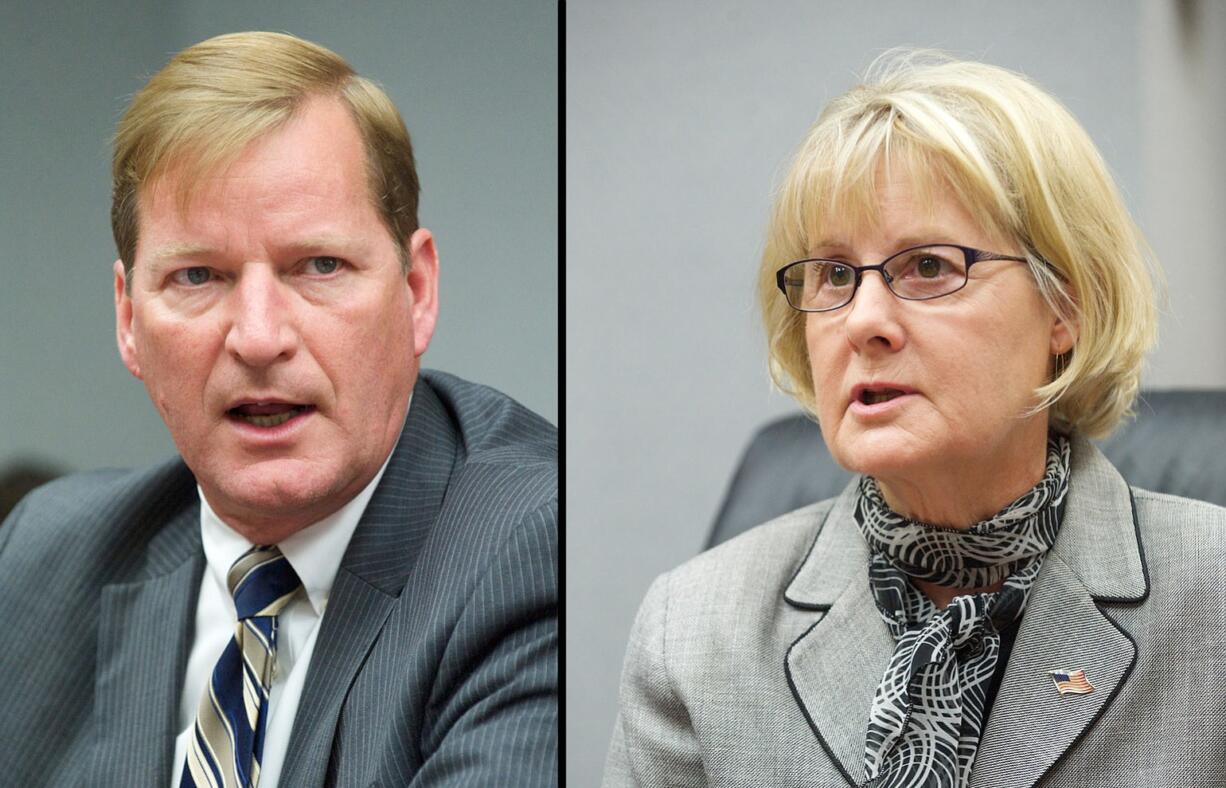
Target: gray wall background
{"type": "Point", "coordinates": [477, 84]}
{"type": "Point", "coordinates": [680, 118]}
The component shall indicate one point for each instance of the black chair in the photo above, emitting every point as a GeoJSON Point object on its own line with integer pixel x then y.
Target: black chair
{"type": "Point", "coordinates": [1177, 445]}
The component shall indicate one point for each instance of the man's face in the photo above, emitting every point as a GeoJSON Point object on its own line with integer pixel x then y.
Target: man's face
{"type": "Point", "coordinates": [273, 326]}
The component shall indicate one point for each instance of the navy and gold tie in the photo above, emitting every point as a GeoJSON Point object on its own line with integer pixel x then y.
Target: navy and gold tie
{"type": "Point", "coordinates": [228, 741]}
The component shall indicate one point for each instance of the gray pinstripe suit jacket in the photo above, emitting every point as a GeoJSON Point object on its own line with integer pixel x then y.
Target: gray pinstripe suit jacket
{"type": "Point", "coordinates": [756, 662]}
{"type": "Point", "coordinates": [435, 664]}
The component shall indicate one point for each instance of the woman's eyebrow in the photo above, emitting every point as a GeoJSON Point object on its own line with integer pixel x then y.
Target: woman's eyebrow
{"type": "Point", "coordinates": [912, 238]}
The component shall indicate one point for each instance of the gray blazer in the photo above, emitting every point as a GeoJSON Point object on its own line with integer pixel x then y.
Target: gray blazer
{"type": "Point", "coordinates": [755, 663]}
{"type": "Point", "coordinates": [435, 664]}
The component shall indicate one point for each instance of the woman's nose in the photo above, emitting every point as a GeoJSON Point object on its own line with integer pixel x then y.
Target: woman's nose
{"type": "Point", "coordinates": [872, 319]}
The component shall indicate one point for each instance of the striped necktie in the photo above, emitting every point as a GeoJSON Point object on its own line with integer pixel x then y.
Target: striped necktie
{"type": "Point", "coordinates": [228, 739]}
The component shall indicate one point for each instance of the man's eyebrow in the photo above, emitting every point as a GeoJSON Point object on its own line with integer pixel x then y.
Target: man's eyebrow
{"type": "Point", "coordinates": [315, 242]}
{"type": "Point", "coordinates": [179, 249]}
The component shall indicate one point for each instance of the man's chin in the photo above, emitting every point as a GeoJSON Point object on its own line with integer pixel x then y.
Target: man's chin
{"type": "Point", "coordinates": [276, 500]}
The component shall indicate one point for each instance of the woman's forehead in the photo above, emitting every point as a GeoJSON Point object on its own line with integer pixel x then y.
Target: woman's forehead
{"type": "Point", "coordinates": [902, 204]}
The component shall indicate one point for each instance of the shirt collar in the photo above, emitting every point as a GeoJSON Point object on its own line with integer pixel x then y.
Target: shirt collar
{"type": "Point", "coordinates": [315, 552]}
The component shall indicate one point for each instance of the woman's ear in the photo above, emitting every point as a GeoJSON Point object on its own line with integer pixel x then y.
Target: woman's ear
{"type": "Point", "coordinates": [1063, 336]}
{"type": "Point", "coordinates": [1064, 331]}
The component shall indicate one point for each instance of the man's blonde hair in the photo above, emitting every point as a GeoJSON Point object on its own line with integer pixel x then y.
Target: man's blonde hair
{"type": "Point", "coordinates": [1024, 169]}
{"type": "Point", "coordinates": [214, 98]}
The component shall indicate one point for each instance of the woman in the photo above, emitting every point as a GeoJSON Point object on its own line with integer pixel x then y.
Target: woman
{"type": "Point", "coordinates": [953, 287]}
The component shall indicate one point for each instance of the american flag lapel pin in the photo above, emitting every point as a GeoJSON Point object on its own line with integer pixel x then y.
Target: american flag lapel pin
{"type": "Point", "coordinates": [1071, 682]}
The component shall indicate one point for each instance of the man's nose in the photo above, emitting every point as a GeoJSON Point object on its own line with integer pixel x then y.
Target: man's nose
{"type": "Point", "coordinates": [261, 329]}
{"type": "Point", "coordinates": [872, 315]}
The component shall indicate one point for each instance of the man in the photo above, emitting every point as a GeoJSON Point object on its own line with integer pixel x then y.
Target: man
{"type": "Point", "coordinates": [321, 591]}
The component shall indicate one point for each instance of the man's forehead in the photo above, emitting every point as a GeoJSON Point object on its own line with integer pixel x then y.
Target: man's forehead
{"type": "Point", "coordinates": [319, 147]}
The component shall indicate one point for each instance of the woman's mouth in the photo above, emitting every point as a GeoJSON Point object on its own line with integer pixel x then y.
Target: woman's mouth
{"type": "Point", "coordinates": [875, 396]}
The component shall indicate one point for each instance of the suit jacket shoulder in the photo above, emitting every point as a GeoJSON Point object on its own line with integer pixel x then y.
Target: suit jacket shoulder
{"type": "Point", "coordinates": [1176, 533]}
{"type": "Point", "coordinates": [61, 548]}
{"type": "Point", "coordinates": [99, 518]}
{"type": "Point", "coordinates": [710, 634]}
{"type": "Point", "coordinates": [490, 420]}
{"type": "Point", "coordinates": [758, 562]}
{"type": "Point", "coordinates": [506, 451]}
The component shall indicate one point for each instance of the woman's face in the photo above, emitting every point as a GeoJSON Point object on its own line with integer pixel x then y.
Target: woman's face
{"type": "Point", "coordinates": [967, 364]}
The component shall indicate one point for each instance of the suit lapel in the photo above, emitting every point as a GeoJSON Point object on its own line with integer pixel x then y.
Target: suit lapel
{"type": "Point", "coordinates": [356, 614]}
{"type": "Point", "coordinates": [144, 630]}
{"type": "Point", "coordinates": [377, 563]}
{"type": "Point", "coordinates": [1096, 560]}
{"type": "Point", "coordinates": [835, 666]}
{"type": "Point", "coordinates": [1062, 630]}
{"type": "Point", "coordinates": [834, 670]}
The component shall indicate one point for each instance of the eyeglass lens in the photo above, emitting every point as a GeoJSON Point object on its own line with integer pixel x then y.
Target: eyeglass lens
{"type": "Point", "coordinates": [918, 274]}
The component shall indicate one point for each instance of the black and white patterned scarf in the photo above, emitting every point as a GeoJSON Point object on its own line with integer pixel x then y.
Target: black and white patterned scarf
{"type": "Point", "coordinates": [927, 715]}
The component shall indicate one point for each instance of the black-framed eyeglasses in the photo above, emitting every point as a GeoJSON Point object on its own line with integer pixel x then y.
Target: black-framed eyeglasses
{"type": "Point", "coordinates": [919, 273]}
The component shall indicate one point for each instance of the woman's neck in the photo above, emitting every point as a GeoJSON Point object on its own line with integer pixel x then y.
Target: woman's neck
{"type": "Point", "coordinates": [960, 495]}
{"type": "Point", "coordinates": [961, 508]}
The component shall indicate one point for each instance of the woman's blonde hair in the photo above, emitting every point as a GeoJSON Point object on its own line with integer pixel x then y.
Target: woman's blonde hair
{"type": "Point", "coordinates": [214, 98]}
{"type": "Point", "coordinates": [1024, 169]}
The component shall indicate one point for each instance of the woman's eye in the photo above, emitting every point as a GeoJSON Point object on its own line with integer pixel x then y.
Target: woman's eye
{"type": "Point", "coordinates": [323, 265]}
{"type": "Point", "coordinates": [840, 275]}
{"type": "Point", "coordinates": [194, 277]}
{"type": "Point", "coordinates": [929, 267]}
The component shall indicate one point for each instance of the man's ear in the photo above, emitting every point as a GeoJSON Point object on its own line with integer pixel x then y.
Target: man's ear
{"type": "Point", "coordinates": [423, 283]}
{"type": "Point", "coordinates": [123, 322]}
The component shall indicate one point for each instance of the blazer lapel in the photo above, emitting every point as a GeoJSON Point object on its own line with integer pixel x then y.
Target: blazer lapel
{"type": "Point", "coordinates": [373, 572]}
{"type": "Point", "coordinates": [1096, 560]}
{"type": "Point", "coordinates": [1062, 630]}
{"type": "Point", "coordinates": [144, 629]}
{"type": "Point", "coordinates": [834, 668]}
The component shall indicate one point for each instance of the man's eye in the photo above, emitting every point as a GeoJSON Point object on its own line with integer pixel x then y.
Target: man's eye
{"type": "Point", "coordinates": [323, 265]}
{"type": "Point", "coordinates": [193, 277]}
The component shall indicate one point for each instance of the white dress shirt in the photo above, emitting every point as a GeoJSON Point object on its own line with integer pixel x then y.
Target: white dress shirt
{"type": "Point", "coordinates": [315, 554]}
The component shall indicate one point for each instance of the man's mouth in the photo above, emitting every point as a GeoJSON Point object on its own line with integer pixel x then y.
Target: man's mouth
{"type": "Point", "coordinates": [268, 414]}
